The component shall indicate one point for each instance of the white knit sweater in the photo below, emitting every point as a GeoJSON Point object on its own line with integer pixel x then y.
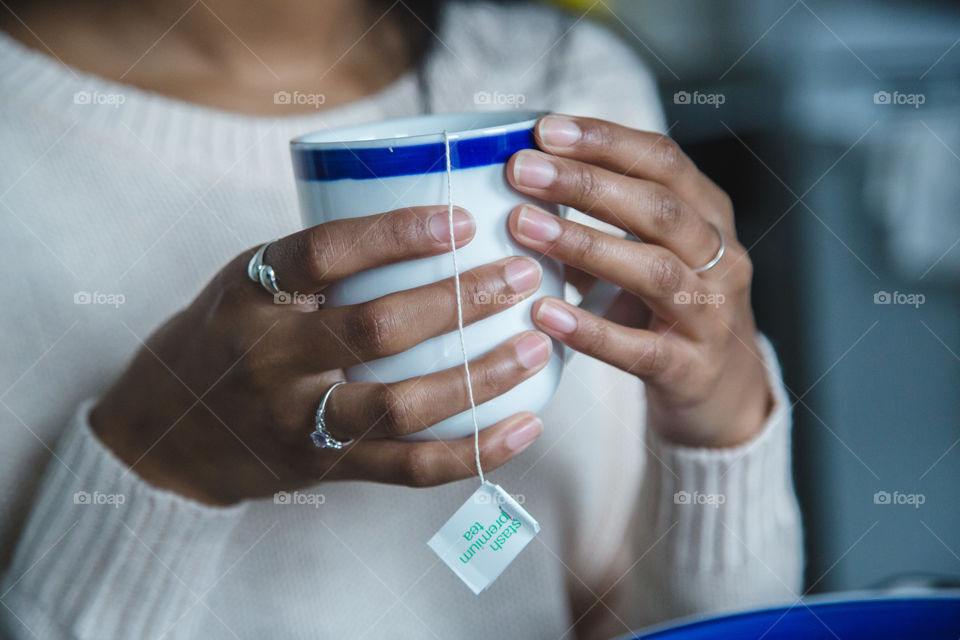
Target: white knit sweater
{"type": "Point", "coordinates": [147, 200]}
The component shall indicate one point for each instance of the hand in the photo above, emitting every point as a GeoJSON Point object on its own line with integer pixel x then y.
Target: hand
{"type": "Point", "coordinates": [690, 336]}
{"type": "Point", "coordinates": [219, 404]}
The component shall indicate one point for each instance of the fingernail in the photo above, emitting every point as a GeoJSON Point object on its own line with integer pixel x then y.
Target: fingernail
{"type": "Point", "coordinates": [522, 274]}
{"type": "Point", "coordinates": [531, 170]}
{"type": "Point", "coordinates": [521, 437]}
{"type": "Point", "coordinates": [439, 224]}
{"type": "Point", "coordinates": [537, 225]}
{"type": "Point", "coordinates": [555, 317]}
{"type": "Point", "coordinates": [559, 131]}
{"type": "Point", "coordinates": [533, 350]}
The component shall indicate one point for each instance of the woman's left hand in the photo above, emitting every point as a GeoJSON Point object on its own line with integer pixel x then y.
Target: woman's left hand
{"type": "Point", "coordinates": [690, 336]}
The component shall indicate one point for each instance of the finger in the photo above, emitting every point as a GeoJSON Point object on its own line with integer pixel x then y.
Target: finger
{"type": "Point", "coordinates": [308, 260]}
{"type": "Point", "coordinates": [643, 353]}
{"type": "Point", "coordinates": [398, 321]}
{"type": "Point", "coordinates": [648, 271]}
{"type": "Point", "coordinates": [641, 154]}
{"type": "Point", "coordinates": [371, 410]}
{"type": "Point", "coordinates": [427, 464]}
{"type": "Point", "coordinates": [647, 209]}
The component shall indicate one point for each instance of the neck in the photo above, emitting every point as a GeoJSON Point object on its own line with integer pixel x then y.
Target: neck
{"type": "Point", "coordinates": [219, 52]}
{"type": "Point", "coordinates": [231, 31]}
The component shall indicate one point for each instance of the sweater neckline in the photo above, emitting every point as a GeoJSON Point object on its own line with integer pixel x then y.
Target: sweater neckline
{"type": "Point", "coordinates": [172, 129]}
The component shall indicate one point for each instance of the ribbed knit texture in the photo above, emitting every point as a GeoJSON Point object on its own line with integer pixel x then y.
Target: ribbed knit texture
{"type": "Point", "coordinates": [97, 562]}
{"type": "Point", "coordinates": [149, 200]}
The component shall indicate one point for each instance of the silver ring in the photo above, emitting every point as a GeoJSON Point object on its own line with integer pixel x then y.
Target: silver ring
{"type": "Point", "coordinates": [720, 251]}
{"type": "Point", "coordinates": [320, 436]}
{"type": "Point", "coordinates": [263, 273]}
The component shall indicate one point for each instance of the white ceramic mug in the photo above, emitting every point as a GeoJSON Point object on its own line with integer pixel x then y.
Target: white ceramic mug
{"type": "Point", "coordinates": [372, 168]}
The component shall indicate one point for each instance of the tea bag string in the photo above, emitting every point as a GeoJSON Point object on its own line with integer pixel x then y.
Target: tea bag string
{"type": "Point", "coordinates": [456, 282]}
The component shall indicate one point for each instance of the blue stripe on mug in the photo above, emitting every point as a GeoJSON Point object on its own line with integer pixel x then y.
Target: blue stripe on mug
{"type": "Point", "coordinates": [386, 162]}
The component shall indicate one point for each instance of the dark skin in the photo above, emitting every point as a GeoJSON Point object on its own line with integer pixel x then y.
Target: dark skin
{"type": "Point", "coordinates": [217, 406]}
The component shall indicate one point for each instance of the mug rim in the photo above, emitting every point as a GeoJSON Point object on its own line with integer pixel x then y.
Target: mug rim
{"type": "Point", "coordinates": [500, 122]}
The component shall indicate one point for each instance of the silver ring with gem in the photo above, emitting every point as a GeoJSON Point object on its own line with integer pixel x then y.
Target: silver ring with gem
{"type": "Point", "coordinates": [320, 436]}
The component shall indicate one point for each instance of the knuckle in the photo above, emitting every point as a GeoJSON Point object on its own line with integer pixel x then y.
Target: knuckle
{"type": "Point", "coordinates": [726, 204]}
{"type": "Point", "coordinates": [667, 212]}
{"type": "Point", "coordinates": [668, 155]}
{"type": "Point", "coordinates": [665, 274]}
{"type": "Point", "coordinates": [248, 369]}
{"type": "Point", "coordinates": [599, 338]}
{"type": "Point", "coordinates": [417, 468]}
{"type": "Point", "coordinates": [681, 372]}
{"type": "Point", "coordinates": [397, 414]}
{"type": "Point", "coordinates": [590, 186]}
{"type": "Point", "coordinates": [599, 134]}
{"type": "Point", "coordinates": [404, 230]}
{"type": "Point", "coordinates": [738, 276]}
{"type": "Point", "coordinates": [487, 379]}
{"type": "Point", "coordinates": [583, 244]}
{"type": "Point", "coordinates": [372, 330]}
{"type": "Point", "coordinates": [253, 360]}
{"type": "Point", "coordinates": [276, 411]}
{"type": "Point", "coordinates": [228, 295]}
{"type": "Point", "coordinates": [744, 270]}
{"type": "Point", "coordinates": [652, 360]}
{"type": "Point", "coordinates": [475, 289]}
{"type": "Point", "coordinates": [316, 251]}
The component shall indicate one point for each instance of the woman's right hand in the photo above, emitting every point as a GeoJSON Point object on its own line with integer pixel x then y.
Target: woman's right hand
{"type": "Point", "coordinates": [219, 403]}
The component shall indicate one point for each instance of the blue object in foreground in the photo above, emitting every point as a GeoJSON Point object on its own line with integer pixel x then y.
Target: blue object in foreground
{"type": "Point", "coordinates": [907, 618]}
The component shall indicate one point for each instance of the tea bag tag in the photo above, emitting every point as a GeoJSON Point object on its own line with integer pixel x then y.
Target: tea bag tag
{"type": "Point", "coordinates": [483, 537]}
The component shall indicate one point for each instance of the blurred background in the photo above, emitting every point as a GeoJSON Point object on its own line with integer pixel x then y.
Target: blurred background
{"type": "Point", "coordinates": [835, 127]}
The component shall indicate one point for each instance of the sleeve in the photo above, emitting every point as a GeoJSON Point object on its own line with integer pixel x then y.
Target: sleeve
{"type": "Point", "coordinates": [715, 529]}
{"type": "Point", "coordinates": [104, 555]}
